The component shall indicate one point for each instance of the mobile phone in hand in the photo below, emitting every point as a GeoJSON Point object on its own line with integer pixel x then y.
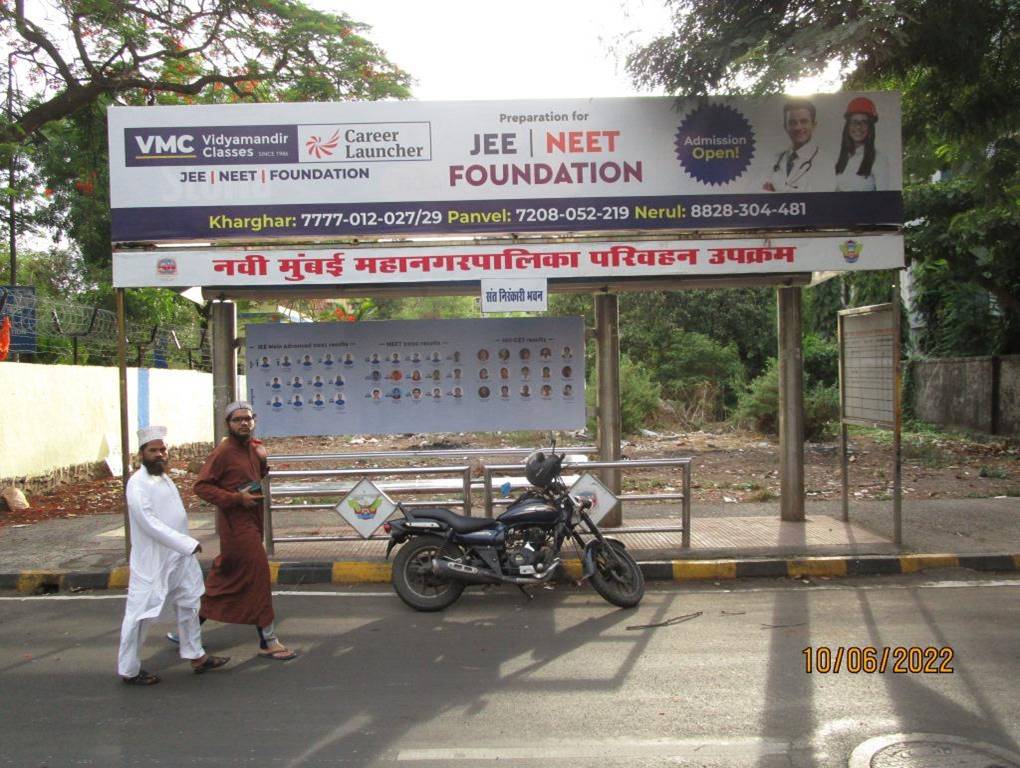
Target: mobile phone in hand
{"type": "Point", "coordinates": [253, 487]}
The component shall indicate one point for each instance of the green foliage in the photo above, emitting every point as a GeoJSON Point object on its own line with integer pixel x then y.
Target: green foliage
{"type": "Point", "coordinates": [639, 396]}
{"type": "Point", "coordinates": [698, 372]}
{"type": "Point", "coordinates": [821, 360]}
{"type": "Point", "coordinates": [427, 307]}
{"type": "Point", "coordinates": [758, 406]}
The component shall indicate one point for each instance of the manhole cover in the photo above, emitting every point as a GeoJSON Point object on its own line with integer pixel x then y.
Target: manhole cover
{"type": "Point", "coordinates": [930, 750]}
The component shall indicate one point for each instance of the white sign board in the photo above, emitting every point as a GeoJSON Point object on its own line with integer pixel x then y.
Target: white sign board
{"type": "Point", "coordinates": [560, 261]}
{"type": "Point", "coordinates": [402, 376]}
{"type": "Point", "coordinates": [365, 508]}
{"type": "Point", "coordinates": [522, 294]}
{"type": "Point", "coordinates": [254, 172]}
{"type": "Point", "coordinates": [603, 501]}
{"type": "Point", "coordinates": [868, 365]}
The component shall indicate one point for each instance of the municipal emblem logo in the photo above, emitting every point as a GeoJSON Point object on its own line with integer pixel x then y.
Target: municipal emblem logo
{"type": "Point", "coordinates": [166, 267]}
{"type": "Point", "coordinates": [851, 250]}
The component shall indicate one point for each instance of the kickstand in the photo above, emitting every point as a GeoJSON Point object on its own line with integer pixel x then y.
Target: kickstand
{"type": "Point", "coordinates": [525, 592]}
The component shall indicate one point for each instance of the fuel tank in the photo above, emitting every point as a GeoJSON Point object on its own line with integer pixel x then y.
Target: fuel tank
{"type": "Point", "coordinates": [530, 512]}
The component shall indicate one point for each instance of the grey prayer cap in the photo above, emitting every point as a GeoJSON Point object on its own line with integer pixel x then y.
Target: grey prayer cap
{"type": "Point", "coordinates": [237, 405]}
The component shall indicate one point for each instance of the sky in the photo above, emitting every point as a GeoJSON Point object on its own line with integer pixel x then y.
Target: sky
{"type": "Point", "coordinates": [527, 49]}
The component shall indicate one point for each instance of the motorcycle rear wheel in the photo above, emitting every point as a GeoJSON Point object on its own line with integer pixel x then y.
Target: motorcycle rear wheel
{"type": "Point", "coordinates": [617, 577]}
{"type": "Point", "coordinates": [413, 579]}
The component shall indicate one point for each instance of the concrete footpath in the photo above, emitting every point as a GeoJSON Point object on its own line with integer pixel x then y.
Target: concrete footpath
{"type": "Point", "coordinates": [728, 541]}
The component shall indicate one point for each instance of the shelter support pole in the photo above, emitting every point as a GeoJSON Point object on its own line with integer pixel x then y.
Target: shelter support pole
{"type": "Point", "coordinates": [791, 405]}
{"type": "Point", "coordinates": [224, 362]}
{"type": "Point", "coordinates": [898, 414]}
{"type": "Point", "coordinates": [607, 336]}
{"type": "Point", "coordinates": [124, 442]}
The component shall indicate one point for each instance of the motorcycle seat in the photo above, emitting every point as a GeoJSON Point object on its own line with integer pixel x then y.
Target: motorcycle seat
{"type": "Point", "coordinates": [459, 523]}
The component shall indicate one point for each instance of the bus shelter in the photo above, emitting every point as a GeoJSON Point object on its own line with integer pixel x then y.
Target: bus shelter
{"type": "Point", "coordinates": [508, 201]}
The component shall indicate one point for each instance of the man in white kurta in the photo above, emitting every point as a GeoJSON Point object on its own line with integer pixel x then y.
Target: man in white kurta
{"type": "Point", "coordinates": [165, 574]}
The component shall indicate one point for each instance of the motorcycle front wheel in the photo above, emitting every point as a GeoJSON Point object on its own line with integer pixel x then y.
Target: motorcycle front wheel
{"type": "Point", "coordinates": [413, 579]}
{"type": "Point", "coordinates": [617, 577]}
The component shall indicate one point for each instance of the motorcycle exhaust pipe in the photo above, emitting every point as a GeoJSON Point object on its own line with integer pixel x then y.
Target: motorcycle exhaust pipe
{"type": "Point", "coordinates": [450, 569]}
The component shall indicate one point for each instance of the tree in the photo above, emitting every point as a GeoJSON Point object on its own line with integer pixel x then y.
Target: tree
{"type": "Point", "coordinates": [82, 52]}
{"type": "Point", "coordinates": [957, 63]}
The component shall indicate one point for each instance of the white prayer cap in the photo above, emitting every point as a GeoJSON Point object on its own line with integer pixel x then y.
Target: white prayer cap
{"type": "Point", "coordinates": [237, 405]}
{"type": "Point", "coordinates": [150, 433]}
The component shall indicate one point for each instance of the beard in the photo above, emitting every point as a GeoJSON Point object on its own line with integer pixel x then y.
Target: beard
{"type": "Point", "coordinates": [155, 467]}
{"type": "Point", "coordinates": [238, 436]}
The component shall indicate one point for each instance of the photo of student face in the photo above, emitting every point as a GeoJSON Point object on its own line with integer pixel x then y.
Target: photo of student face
{"type": "Point", "coordinates": [437, 393]}
{"type": "Point", "coordinates": [434, 357]}
{"type": "Point", "coordinates": [373, 358]}
{"type": "Point", "coordinates": [376, 394]}
{"type": "Point", "coordinates": [504, 354]}
{"type": "Point", "coordinates": [416, 357]}
{"type": "Point", "coordinates": [339, 399]}
{"type": "Point", "coordinates": [328, 359]}
{"type": "Point", "coordinates": [415, 375]}
{"type": "Point", "coordinates": [276, 383]}
{"type": "Point", "coordinates": [504, 373]}
{"type": "Point", "coordinates": [546, 390]}
{"type": "Point", "coordinates": [567, 371]}
{"type": "Point", "coordinates": [395, 358]}
{"type": "Point", "coordinates": [483, 355]}
{"type": "Point", "coordinates": [348, 358]}
{"type": "Point", "coordinates": [456, 357]}
{"type": "Point", "coordinates": [525, 372]}
{"type": "Point", "coordinates": [265, 362]}
{"type": "Point", "coordinates": [416, 394]}
{"type": "Point", "coordinates": [306, 361]}
{"type": "Point", "coordinates": [504, 391]}
{"type": "Point", "coordinates": [395, 393]}
{"type": "Point", "coordinates": [436, 375]}
{"type": "Point", "coordinates": [526, 390]}
{"type": "Point", "coordinates": [317, 381]}
{"type": "Point", "coordinates": [396, 375]}
{"type": "Point", "coordinates": [568, 390]}
{"type": "Point", "coordinates": [456, 373]}
{"type": "Point", "coordinates": [317, 400]}
{"type": "Point", "coordinates": [545, 353]}
{"type": "Point", "coordinates": [297, 402]}
{"type": "Point", "coordinates": [458, 392]}
{"type": "Point", "coordinates": [376, 376]}
{"type": "Point", "coordinates": [338, 380]}
{"type": "Point", "coordinates": [285, 361]}
{"type": "Point", "coordinates": [546, 373]}
{"type": "Point", "coordinates": [567, 354]}
{"type": "Point", "coordinates": [296, 382]}
{"type": "Point", "coordinates": [483, 373]}
{"type": "Point", "coordinates": [525, 354]}
{"type": "Point", "coordinates": [483, 392]}
{"type": "Point", "coordinates": [276, 402]}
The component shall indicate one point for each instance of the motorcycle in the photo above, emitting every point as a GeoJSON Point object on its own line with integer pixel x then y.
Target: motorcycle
{"type": "Point", "coordinates": [443, 552]}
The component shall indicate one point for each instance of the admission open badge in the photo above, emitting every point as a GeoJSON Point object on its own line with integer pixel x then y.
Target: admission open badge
{"type": "Point", "coordinates": [365, 508]}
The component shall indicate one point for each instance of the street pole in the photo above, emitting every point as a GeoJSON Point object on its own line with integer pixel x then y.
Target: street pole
{"type": "Point", "coordinates": [12, 176]}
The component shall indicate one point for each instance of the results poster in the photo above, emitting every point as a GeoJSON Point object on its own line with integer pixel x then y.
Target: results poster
{"type": "Point", "coordinates": [398, 376]}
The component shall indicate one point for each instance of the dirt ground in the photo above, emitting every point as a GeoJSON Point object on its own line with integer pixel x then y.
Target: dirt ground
{"type": "Point", "coordinates": [729, 467]}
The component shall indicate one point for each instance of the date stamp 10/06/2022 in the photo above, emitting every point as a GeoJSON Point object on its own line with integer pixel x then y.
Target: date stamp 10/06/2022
{"type": "Point", "coordinates": [869, 659]}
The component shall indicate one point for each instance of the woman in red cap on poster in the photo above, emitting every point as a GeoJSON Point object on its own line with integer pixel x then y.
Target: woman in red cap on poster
{"type": "Point", "coordinates": [860, 167]}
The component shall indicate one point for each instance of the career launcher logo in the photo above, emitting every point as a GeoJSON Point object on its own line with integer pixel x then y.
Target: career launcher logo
{"type": "Point", "coordinates": [319, 148]}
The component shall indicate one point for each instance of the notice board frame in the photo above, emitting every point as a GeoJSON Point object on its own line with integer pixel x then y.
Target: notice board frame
{"type": "Point", "coordinates": [872, 344]}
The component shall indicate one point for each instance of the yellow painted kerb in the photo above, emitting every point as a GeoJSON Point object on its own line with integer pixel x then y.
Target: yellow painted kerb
{"type": "Point", "coordinates": [816, 566]}
{"type": "Point", "coordinates": [361, 573]}
{"type": "Point", "coordinates": [690, 570]}
{"type": "Point", "coordinates": [915, 563]}
{"type": "Point", "coordinates": [119, 577]}
{"type": "Point", "coordinates": [30, 581]}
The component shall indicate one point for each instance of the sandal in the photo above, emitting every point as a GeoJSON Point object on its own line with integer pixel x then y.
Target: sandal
{"type": "Point", "coordinates": [283, 653]}
{"type": "Point", "coordinates": [210, 662]}
{"type": "Point", "coordinates": [142, 678]}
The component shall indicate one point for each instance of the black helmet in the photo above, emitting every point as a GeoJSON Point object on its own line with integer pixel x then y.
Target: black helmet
{"type": "Point", "coordinates": [541, 469]}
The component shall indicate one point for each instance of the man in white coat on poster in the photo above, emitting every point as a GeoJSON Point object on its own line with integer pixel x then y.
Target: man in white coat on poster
{"type": "Point", "coordinates": [165, 574]}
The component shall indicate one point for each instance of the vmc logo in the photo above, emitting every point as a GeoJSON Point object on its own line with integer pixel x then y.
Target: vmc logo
{"type": "Point", "coordinates": [152, 145]}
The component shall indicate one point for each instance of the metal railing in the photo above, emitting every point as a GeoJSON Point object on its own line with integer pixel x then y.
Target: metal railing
{"type": "Point", "coordinates": [337, 484]}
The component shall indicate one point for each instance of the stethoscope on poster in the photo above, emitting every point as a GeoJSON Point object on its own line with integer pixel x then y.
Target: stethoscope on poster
{"type": "Point", "coordinates": [803, 168]}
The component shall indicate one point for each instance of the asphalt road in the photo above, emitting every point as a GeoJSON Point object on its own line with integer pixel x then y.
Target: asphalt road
{"type": "Point", "coordinates": [562, 680]}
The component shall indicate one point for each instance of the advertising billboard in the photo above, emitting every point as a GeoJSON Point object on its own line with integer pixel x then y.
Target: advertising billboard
{"type": "Point", "coordinates": [258, 172]}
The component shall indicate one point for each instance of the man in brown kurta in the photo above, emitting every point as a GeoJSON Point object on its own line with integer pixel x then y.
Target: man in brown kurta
{"type": "Point", "coordinates": [238, 588]}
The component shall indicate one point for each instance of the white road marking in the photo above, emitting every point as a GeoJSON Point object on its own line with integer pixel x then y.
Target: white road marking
{"type": "Point", "coordinates": [728, 750]}
{"type": "Point", "coordinates": [813, 587]}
